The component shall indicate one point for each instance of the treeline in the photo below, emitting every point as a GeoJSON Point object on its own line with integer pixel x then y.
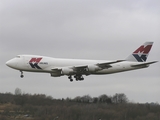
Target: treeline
{"type": "Point", "coordinates": [42, 107]}
{"type": "Point", "coordinates": [41, 99]}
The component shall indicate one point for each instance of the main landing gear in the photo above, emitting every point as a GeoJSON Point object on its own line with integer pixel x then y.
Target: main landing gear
{"type": "Point", "coordinates": [70, 77]}
{"type": "Point", "coordinates": [77, 77]}
{"type": "Point", "coordinates": [21, 74]}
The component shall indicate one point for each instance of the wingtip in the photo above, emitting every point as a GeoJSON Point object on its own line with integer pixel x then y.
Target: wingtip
{"type": "Point", "coordinates": [155, 61]}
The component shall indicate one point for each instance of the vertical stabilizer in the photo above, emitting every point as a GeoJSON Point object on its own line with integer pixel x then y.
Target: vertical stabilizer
{"type": "Point", "coordinates": [140, 54]}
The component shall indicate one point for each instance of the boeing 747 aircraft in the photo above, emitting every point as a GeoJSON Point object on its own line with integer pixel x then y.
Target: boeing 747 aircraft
{"type": "Point", "coordinates": [77, 68]}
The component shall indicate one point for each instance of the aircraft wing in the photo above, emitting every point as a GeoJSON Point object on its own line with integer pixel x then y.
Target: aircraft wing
{"type": "Point", "coordinates": [107, 64]}
{"type": "Point", "coordinates": [144, 64]}
{"type": "Point", "coordinates": [83, 69]}
{"type": "Point", "coordinates": [102, 65]}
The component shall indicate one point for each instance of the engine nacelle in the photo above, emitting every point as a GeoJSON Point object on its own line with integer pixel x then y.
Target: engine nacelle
{"type": "Point", "coordinates": [67, 71]}
{"type": "Point", "coordinates": [93, 68]}
{"type": "Point", "coordinates": [56, 74]}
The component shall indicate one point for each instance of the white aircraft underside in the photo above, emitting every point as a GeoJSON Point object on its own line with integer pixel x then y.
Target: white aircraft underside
{"type": "Point", "coordinates": [76, 67]}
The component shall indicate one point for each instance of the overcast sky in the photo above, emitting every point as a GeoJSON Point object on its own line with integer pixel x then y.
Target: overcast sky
{"type": "Point", "coordinates": [81, 29]}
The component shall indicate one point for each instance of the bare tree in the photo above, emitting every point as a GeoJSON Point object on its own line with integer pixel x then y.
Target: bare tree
{"type": "Point", "coordinates": [86, 98]}
{"type": "Point", "coordinates": [104, 99]}
{"type": "Point", "coordinates": [18, 91]}
{"type": "Point", "coordinates": [119, 98]}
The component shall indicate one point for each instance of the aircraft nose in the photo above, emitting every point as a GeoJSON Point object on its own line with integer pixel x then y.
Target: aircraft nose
{"type": "Point", "coordinates": [11, 63]}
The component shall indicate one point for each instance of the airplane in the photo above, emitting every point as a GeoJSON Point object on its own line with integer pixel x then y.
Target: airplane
{"type": "Point", "coordinates": [77, 68]}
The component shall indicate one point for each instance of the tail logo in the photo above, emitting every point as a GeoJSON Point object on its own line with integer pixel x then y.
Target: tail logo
{"type": "Point", "coordinates": [141, 53]}
{"type": "Point", "coordinates": [34, 63]}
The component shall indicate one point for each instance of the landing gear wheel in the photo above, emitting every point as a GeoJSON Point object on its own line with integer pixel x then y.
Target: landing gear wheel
{"type": "Point", "coordinates": [70, 77]}
{"type": "Point", "coordinates": [21, 74]}
{"type": "Point", "coordinates": [78, 77]}
{"type": "Point", "coordinates": [71, 80]}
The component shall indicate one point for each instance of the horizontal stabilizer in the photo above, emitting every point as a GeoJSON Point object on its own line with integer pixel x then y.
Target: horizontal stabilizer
{"type": "Point", "coordinates": [144, 64]}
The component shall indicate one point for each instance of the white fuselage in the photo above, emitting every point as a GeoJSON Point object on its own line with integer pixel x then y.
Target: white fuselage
{"type": "Point", "coordinates": [23, 63]}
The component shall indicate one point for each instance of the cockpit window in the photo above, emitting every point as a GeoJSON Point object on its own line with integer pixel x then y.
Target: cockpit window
{"type": "Point", "coordinates": [18, 56]}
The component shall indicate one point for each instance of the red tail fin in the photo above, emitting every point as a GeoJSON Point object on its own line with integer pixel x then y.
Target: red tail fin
{"type": "Point", "coordinates": [141, 54]}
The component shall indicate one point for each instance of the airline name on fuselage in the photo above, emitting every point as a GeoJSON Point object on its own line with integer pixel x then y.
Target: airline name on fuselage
{"type": "Point", "coordinates": [45, 63]}
{"type": "Point", "coordinates": [35, 61]}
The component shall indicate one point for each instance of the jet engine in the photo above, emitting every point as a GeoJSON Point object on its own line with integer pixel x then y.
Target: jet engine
{"type": "Point", "coordinates": [67, 71]}
{"type": "Point", "coordinates": [56, 74]}
{"type": "Point", "coordinates": [93, 68]}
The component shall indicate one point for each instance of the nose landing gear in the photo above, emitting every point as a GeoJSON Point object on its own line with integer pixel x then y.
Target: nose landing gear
{"type": "Point", "coordinates": [21, 74]}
